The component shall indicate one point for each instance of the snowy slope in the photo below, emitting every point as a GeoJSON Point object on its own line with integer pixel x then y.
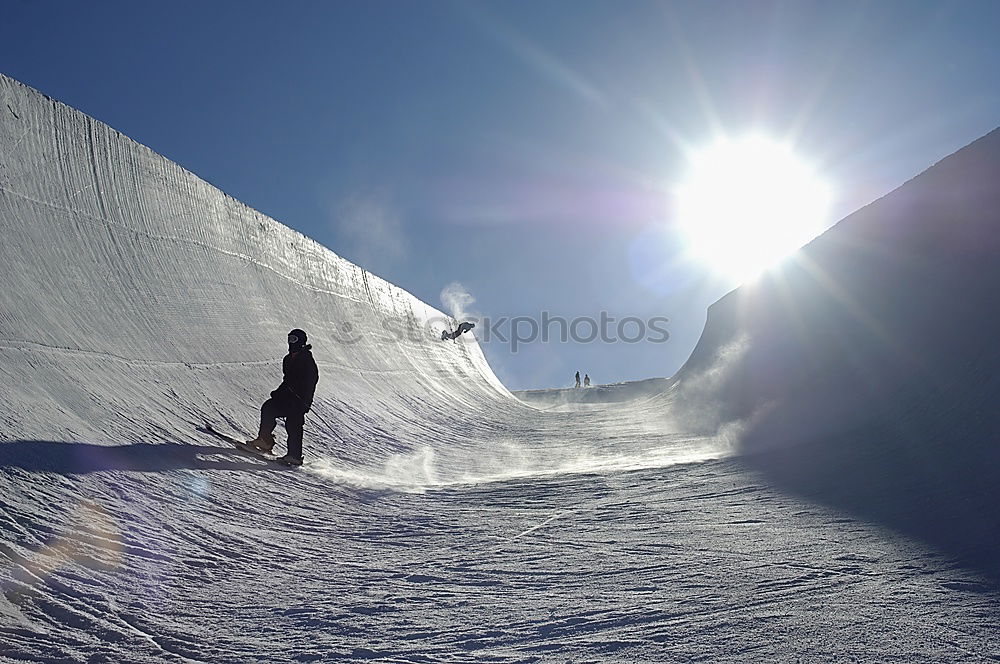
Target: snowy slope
{"type": "Point", "coordinates": [867, 371]}
{"type": "Point", "coordinates": [439, 519]}
{"type": "Point", "coordinates": [137, 294]}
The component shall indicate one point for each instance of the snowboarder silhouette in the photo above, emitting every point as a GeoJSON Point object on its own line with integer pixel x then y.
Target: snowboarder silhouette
{"type": "Point", "coordinates": [292, 400]}
{"type": "Point", "coordinates": [462, 329]}
{"type": "Point", "coordinates": [586, 380]}
{"type": "Point", "coordinates": [577, 379]}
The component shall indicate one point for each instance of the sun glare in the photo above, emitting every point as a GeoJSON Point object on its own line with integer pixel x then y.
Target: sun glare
{"type": "Point", "coordinates": [746, 204]}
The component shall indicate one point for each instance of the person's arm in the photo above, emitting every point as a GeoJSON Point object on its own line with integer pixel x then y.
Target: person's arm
{"type": "Point", "coordinates": [284, 378]}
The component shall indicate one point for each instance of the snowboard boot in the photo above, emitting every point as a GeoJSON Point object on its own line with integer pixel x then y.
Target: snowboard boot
{"type": "Point", "coordinates": [263, 443]}
{"type": "Point", "coordinates": [290, 460]}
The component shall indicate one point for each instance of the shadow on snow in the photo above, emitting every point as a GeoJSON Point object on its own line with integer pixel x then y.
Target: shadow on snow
{"type": "Point", "coordinates": [67, 458]}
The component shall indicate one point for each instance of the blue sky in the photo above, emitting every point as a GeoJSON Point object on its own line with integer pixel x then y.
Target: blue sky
{"type": "Point", "coordinates": [522, 149]}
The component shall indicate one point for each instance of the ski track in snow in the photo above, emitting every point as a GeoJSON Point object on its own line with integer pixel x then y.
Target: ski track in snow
{"type": "Point", "coordinates": [439, 519]}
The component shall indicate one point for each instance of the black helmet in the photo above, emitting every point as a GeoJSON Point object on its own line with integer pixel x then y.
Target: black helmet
{"type": "Point", "coordinates": [296, 340]}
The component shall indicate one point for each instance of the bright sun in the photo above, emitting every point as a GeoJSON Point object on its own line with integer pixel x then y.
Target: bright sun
{"type": "Point", "coordinates": [748, 203]}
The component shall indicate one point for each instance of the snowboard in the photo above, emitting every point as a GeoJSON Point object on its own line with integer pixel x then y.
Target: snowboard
{"type": "Point", "coordinates": [243, 447]}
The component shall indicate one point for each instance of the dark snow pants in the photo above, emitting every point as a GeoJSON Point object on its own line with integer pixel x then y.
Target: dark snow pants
{"type": "Point", "coordinates": [295, 419]}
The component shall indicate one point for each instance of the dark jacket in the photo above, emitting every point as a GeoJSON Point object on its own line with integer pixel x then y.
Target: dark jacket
{"type": "Point", "coordinates": [301, 375]}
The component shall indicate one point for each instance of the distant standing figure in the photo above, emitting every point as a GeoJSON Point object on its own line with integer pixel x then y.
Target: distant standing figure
{"type": "Point", "coordinates": [586, 380]}
{"type": "Point", "coordinates": [292, 400]}
{"type": "Point", "coordinates": [577, 379]}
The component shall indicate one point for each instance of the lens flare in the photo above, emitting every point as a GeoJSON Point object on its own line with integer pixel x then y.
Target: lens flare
{"type": "Point", "coordinates": [747, 204]}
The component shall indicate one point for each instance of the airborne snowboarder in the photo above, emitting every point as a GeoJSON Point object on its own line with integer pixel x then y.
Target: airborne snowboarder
{"type": "Point", "coordinates": [462, 329]}
{"type": "Point", "coordinates": [292, 400]}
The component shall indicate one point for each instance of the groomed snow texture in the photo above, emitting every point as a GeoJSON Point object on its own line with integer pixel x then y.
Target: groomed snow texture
{"type": "Point", "coordinates": [439, 518]}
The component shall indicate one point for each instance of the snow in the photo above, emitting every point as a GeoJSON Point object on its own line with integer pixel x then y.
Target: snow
{"type": "Point", "coordinates": [439, 518]}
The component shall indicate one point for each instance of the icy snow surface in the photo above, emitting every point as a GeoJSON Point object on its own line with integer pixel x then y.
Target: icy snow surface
{"type": "Point", "coordinates": [439, 518]}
